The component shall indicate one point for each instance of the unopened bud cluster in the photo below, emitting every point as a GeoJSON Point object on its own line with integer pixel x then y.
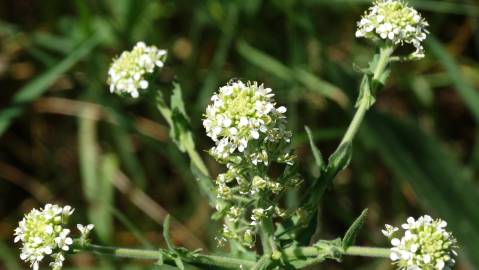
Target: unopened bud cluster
{"type": "Point", "coordinates": [126, 75]}
{"type": "Point", "coordinates": [396, 22]}
{"type": "Point", "coordinates": [249, 131]}
{"type": "Point", "coordinates": [43, 233]}
{"type": "Point", "coordinates": [422, 244]}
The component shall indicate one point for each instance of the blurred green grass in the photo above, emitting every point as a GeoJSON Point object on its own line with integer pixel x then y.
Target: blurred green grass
{"type": "Point", "coordinates": [65, 138]}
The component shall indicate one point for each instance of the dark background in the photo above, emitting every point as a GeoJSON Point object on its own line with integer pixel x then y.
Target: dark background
{"type": "Point", "coordinates": [61, 130]}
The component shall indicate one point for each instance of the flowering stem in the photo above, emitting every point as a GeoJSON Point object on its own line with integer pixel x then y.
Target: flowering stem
{"type": "Point", "coordinates": [355, 123]}
{"type": "Point", "coordinates": [267, 237]}
{"type": "Point", "coordinates": [364, 100]}
{"type": "Point", "coordinates": [229, 262]}
{"type": "Point", "coordinates": [310, 255]}
{"type": "Point", "coordinates": [351, 251]}
{"type": "Point", "coordinates": [144, 254]}
{"type": "Point", "coordinates": [367, 252]}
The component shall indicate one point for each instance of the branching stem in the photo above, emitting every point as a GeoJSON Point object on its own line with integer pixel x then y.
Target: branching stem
{"type": "Point", "coordinates": [230, 262]}
{"type": "Point", "coordinates": [364, 102]}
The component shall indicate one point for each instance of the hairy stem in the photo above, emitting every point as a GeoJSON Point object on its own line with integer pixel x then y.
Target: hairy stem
{"type": "Point", "coordinates": [351, 251]}
{"type": "Point", "coordinates": [368, 252]}
{"type": "Point", "coordinates": [364, 102]}
{"type": "Point", "coordinates": [144, 254]}
{"type": "Point", "coordinates": [299, 253]}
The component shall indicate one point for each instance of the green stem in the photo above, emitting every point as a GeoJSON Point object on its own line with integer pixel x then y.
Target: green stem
{"type": "Point", "coordinates": [197, 161]}
{"type": "Point", "coordinates": [265, 243]}
{"type": "Point", "coordinates": [355, 123]}
{"type": "Point", "coordinates": [365, 103]}
{"type": "Point", "coordinates": [351, 251]}
{"type": "Point", "coordinates": [143, 254]}
{"type": "Point", "coordinates": [299, 253]}
{"type": "Point", "coordinates": [368, 252]}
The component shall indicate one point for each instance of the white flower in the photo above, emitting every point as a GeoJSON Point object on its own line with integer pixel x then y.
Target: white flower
{"type": "Point", "coordinates": [57, 263]}
{"type": "Point", "coordinates": [249, 132]}
{"type": "Point", "coordinates": [42, 234]}
{"type": "Point", "coordinates": [127, 73]}
{"type": "Point", "coordinates": [425, 245]}
{"type": "Point", "coordinates": [85, 230]}
{"type": "Point", "coordinates": [241, 113]}
{"type": "Point", "coordinates": [389, 231]}
{"type": "Point", "coordinates": [396, 22]}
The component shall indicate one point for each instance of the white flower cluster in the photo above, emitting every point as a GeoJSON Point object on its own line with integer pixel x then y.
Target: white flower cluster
{"type": "Point", "coordinates": [425, 245]}
{"type": "Point", "coordinates": [250, 133]}
{"type": "Point", "coordinates": [127, 73]}
{"type": "Point", "coordinates": [43, 233]}
{"type": "Point", "coordinates": [241, 113]}
{"type": "Point", "coordinates": [395, 21]}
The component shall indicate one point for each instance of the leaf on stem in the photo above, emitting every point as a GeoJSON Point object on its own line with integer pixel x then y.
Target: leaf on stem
{"type": "Point", "coordinates": [318, 157]}
{"type": "Point", "coordinates": [166, 233]}
{"type": "Point", "coordinates": [340, 159]}
{"type": "Point", "coordinates": [172, 250]}
{"type": "Point", "coordinates": [180, 127]}
{"type": "Point", "coordinates": [350, 235]}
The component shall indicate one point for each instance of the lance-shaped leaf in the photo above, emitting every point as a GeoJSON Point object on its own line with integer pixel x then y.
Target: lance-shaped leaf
{"type": "Point", "coordinates": [352, 232]}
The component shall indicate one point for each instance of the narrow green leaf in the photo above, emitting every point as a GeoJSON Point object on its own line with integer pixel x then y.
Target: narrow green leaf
{"type": "Point", "coordinates": [40, 84]}
{"type": "Point", "coordinates": [101, 212]}
{"type": "Point", "coordinates": [436, 176]}
{"type": "Point", "coordinates": [180, 129]}
{"type": "Point", "coordinates": [96, 175]}
{"type": "Point", "coordinates": [318, 157]}
{"type": "Point", "coordinates": [179, 262]}
{"type": "Point", "coordinates": [465, 88]}
{"type": "Point", "coordinates": [264, 61]}
{"type": "Point", "coordinates": [206, 184]}
{"type": "Point", "coordinates": [166, 233]}
{"type": "Point", "coordinates": [350, 235]}
{"type": "Point", "coordinates": [262, 263]}
{"type": "Point", "coordinates": [177, 102]}
{"type": "Point", "coordinates": [87, 149]}
{"type": "Point", "coordinates": [161, 259]}
{"type": "Point", "coordinates": [278, 69]}
{"type": "Point", "coordinates": [340, 159]}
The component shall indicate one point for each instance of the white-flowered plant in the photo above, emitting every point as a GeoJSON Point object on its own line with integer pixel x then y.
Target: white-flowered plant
{"type": "Point", "coordinates": [396, 22]}
{"type": "Point", "coordinates": [423, 244]}
{"type": "Point", "coordinates": [85, 230]}
{"type": "Point", "coordinates": [44, 233]}
{"type": "Point", "coordinates": [127, 73]}
{"type": "Point", "coordinates": [249, 132]}
{"type": "Point", "coordinates": [240, 114]}
{"type": "Point", "coordinates": [250, 138]}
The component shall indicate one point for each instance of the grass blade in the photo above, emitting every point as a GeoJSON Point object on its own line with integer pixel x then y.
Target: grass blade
{"type": "Point", "coordinates": [40, 84]}
{"type": "Point", "coordinates": [464, 88]}
{"type": "Point", "coordinates": [436, 177]}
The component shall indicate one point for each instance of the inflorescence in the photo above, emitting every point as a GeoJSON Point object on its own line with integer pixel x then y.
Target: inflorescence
{"type": "Point", "coordinates": [396, 22]}
{"type": "Point", "coordinates": [424, 245]}
{"type": "Point", "coordinates": [249, 131]}
{"type": "Point", "coordinates": [126, 75]}
{"type": "Point", "coordinates": [43, 233]}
